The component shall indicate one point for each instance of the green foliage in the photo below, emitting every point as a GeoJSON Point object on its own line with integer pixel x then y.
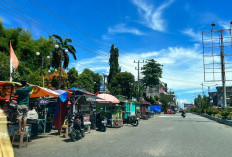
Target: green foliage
{"type": "Point", "coordinates": [60, 52]}
{"type": "Point", "coordinates": [72, 77]}
{"type": "Point", "coordinates": [165, 100]}
{"type": "Point", "coordinates": [152, 72]}
{"type": "Point", "coordinates": [25, 48]}
{"type": "Point", "coordinates": [215, 111]}
{"type": "Point", "coordinates": [4, 66]}
{"type": "Point", "coordinates": [209, 111]}
{"type": "Point", "coordinates": [86, 82]}
{"type": "Point", "coordinates": [225, 114]}
{"type": "Point", "coordinates": [202, 102]}
{"type": "Point", "coordinates": [122, 84]}
{"type": "Point", "coordinates": [113, 62]}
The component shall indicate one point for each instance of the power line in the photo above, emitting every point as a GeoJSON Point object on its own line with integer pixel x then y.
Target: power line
{"type": "Point", "coordinates": [78, 44]}
{"type": "Point", "coordinates": [66, 22]}
{"type": "Point", "coordinates": [39, 20]}
{"type": "Point", "coordinates": [49, 31]}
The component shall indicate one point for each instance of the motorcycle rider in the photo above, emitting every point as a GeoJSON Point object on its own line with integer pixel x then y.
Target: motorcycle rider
{"type": "Point", "coordinates": [183, 113]}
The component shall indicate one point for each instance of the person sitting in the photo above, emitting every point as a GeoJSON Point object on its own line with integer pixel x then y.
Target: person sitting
{"type": "Point", "coordinates": [23, 94]}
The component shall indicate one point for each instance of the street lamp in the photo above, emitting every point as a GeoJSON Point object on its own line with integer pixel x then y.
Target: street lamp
{"type": "Point", "coordinates": [104, 75]}
{"type": "Point", "coordinates": [61, 59]}
{"type": "Point", "coordinates": [42, 66]}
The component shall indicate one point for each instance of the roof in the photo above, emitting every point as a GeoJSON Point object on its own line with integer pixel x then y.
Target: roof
{"type": "Point", "coordinates": [107, 99]}
{"type": "Point", "coordinates": [145, 102]}
{"type": "Point", "coordinates": [41, 92]}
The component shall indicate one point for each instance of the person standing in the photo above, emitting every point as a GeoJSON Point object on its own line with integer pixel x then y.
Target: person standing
{"type": "Point", "coordinates": [23, 94]}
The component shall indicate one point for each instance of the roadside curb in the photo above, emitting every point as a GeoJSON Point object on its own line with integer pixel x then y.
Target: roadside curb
{"type": "Point", "coordinates": [219, 120]}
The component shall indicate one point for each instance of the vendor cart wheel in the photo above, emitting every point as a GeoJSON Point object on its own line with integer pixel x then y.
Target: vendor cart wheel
{"type": "Point", "coordinates": [83, 133]}
{"type": "Point", "coordinates": [136, 123]}
{"type": "Point", "coordinates": [104, 129]}
{"type": "Point", "coordinates": [74, 135]}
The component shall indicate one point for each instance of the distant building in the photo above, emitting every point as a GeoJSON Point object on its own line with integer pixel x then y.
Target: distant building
{"type": "Point", "coordinates": [220, 95]}
{"type": "Point", "coordinates": [187, 106]}
{"type": "Point", "coordinates": [156, 90]}
{"type": "Point", "coordinates": [213, 98]}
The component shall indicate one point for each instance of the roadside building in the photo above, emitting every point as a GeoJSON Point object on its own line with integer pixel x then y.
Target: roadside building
{"type": "Point", "coordinates": [220, 95]}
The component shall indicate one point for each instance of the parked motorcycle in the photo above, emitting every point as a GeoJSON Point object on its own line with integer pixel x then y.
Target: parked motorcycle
{"type": "Point", "coordinates": [76, 127]}
{"type": "Point", "coordinates": [101, 122]}
{"type": "Point", "coordinates": [11, 110]}
{"type": "Point", "coordinates": [133, 120]}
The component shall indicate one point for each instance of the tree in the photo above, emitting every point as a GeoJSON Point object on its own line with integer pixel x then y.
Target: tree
{"type": "Point", "coordinates": [25, 48]}
{"type": "Point", "coordinates": [165, 100]}
{"type": "Point", "coordinates": [72, 78]}
{"type": "Point", "coordinates": [85, 81]}
{"type": "Point", "coordinates": [113, 62]}
{"type": "Point", "coordinates": [4, 66]}
{"type": "Point", "coordinates": [122, 84]}
{"type": "Point", "coordinates": [52, 80]}
{"type": "Point", "coordinates": [97, 79]}
{"type": "Point", "coordinates": [57, 54]}
{"type": "Point", "coordinates": [152, 72]}
{"type": "Point", "coordinates": [197, 101]}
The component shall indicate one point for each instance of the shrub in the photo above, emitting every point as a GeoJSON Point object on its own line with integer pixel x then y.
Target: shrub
{"type": "Point", "coordinates": [215, 111]}
{"type": "Point", "coordinates": [209, 111]}
{"type": "Point", "coordinates": [225, 114]}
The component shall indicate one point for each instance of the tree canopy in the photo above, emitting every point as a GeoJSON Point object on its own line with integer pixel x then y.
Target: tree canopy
{"type": "Point", "coordinates": [113, 62]}
{"type": "Point", "coordinates": [152, 72]}
{"type": "Point", "coordinates": [122, 84]}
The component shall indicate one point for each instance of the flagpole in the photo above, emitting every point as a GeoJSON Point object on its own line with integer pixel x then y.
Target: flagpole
{"type": "Point", "coordinates": [11, 69]}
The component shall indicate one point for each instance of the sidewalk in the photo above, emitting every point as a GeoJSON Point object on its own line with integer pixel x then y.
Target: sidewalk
{"type": "Point", "coordinates": [6, 149]}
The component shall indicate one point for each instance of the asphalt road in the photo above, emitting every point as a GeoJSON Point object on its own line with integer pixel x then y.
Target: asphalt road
{"type": "Point", "coordinates": [161, 136]}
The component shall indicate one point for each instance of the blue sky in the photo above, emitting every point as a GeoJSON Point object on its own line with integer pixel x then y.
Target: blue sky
{"type": "Point", "coordinates": [167, 30]}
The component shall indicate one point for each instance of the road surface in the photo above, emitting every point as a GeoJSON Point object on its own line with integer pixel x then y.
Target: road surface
{"type": "Point", "coordinates": [160, 136]}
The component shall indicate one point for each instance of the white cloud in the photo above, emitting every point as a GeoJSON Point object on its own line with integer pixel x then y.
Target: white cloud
{"type": "Point", "coordinates": [97, 64]}
{"type": "Point", "coordinates": [196, 36]}
{"type": "Point", "coordinates": [182, 66]}
{"type": "Point", "coordinates": [181, 102]}
{"type": "Point", "coordinates": [152, 17]}
{"type": "Point", "coordinates": [122, 28]}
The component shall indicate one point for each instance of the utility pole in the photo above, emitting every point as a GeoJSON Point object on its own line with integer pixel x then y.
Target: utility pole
{"type": "Point", "coordinates": [213, 48]}
{"type": "Point", "coordinates": [223, 70]}
{"type": "Point", "coordinates": [202, 90]}
{"type": "Point", "coordinates": [138, 68]}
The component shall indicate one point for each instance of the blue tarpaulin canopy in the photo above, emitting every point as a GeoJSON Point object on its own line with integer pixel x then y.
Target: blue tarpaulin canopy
{"type": "Point", "coordinates": [155, 108]}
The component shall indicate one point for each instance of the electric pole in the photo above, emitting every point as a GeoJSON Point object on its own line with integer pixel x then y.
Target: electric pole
{"type": "Point", "coordinates": [202, 90]}
{"type": "Point", "coordinates": [138, 68]}
{"type": "Point", "coordinates": [216, 56]}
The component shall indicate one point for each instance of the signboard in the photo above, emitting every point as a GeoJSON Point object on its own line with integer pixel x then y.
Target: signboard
{"type": "Point", "coordinates": [188, 105]}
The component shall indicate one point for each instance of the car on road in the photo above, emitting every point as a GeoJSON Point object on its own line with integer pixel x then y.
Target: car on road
{"type": "Point", "coordinates": [169, 111]}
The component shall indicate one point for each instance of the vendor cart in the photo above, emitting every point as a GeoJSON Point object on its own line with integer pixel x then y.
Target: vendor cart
{"type": "Point", "coordinates": [111, 108]}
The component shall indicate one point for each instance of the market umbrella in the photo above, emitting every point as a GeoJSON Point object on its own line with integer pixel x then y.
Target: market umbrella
{"type": "Point", "coordinates": [38, 91]}
{"type": "Point", "coordinates": [106, 99]}
{"type": "Point", "coordinates": [7, 89]}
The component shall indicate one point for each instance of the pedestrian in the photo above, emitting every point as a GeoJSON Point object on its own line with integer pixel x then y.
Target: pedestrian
{"type": "Point", "coordinates": [23, 94]}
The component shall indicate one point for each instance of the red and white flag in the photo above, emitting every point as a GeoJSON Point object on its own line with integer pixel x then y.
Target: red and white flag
{"type": "Point", "coordinates": [14, 62]}
{"type": "Point", "coordinates": [13, 59]}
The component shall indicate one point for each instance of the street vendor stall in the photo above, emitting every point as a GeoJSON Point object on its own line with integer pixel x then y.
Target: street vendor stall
{"type": "Point", "coordinates": [128, 107]}
{"type": "Point", "coordinates": [86, 101]}
{"type": "Point", "coordinates": [111, 108]}
{"type": "Point", "coordinates": [36, 114]}
{"type": "Point", "coordinates": [144, 109]}
{"type": "Point", "coordinates": [73, 101]}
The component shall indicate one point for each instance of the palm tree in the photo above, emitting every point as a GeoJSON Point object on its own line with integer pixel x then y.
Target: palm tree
{"type": "Point", "coordinates": [60, 52]}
